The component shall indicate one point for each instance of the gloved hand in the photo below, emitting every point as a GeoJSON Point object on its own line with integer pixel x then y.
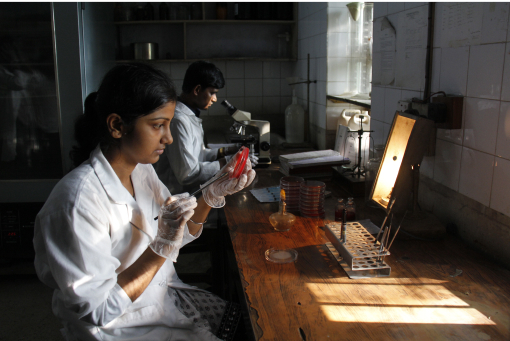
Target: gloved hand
{"type": "Point", "coordinates": [172, 218]}
{"type": "Point", "coordinates": [214, 195]}
{"type": "Point", "coordinates": [254, 160]}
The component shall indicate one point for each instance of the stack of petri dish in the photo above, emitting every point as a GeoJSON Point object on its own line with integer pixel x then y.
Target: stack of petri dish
{"type": "Point", "coordinates": [311, 202]}
{"type": "Point", "coordinates": [291, 185]}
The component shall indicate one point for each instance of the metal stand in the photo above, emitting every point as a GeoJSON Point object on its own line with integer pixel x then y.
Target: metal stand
{"type": "Point", "coordinates": [362, 254]}
{"type": "Point", "coordinates": [359, 173]}
{"type": "Point", "coordinates": [307, 113]}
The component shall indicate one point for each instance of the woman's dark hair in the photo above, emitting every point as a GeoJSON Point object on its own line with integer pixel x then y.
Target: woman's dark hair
{"type": "Point", "coordinates": [129, 90]}
{"type": "Point", "coordinates": [204, 74]}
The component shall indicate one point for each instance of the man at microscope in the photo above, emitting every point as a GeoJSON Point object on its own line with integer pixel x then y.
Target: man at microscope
{"type": "Point", "coordinates": [186, 162]}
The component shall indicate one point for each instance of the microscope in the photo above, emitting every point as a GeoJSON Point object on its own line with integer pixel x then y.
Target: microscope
{"type": "Point", "coordinates": [259, 145]}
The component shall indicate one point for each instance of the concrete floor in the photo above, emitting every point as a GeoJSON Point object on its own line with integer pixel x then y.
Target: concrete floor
{"type": "Point", "coordinates": [25, 302]}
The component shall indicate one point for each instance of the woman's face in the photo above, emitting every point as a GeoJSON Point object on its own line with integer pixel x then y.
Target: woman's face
{"type": "Point", "coordinates": [149, 137]}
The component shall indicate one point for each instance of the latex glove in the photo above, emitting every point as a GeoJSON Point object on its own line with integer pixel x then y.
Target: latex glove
{"type": "Point", "coordinates": [214, 195]}
{"type": "Point", "coordinates": [172, 219]}
{"type": "Point", "coordinates": [254, 160]}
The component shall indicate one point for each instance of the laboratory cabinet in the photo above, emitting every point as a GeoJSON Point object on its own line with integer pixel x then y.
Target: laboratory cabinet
{"type": "Point", "coordinates": [193, 31]}
{"type": "Point", "coordinates": [52, 55]}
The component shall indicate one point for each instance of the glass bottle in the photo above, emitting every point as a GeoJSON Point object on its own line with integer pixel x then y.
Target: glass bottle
{"type": "Point", "coordinates": [221, 10]}
{"type": "Point", "coordinates": [350, 210]}
{"type": "Point", "coordinates": [183, 12]}
{"type": "Point", "coordinates": [173, 11]}
{"type": "Point", "coordinates": [149, 11]}
{"type": "Point", "coordinates": [164, 11]}
{"type": "Point", "coordinates": [339, 210]}
{"type": "Point", "coordinates": [196, 11]}
{"type": "Point", "coordinates": [282, 220]}
{"type": "Point", "coordinates": [236, 11]}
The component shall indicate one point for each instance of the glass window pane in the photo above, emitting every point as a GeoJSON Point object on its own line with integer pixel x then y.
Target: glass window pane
{"type": "Point", "coordinates": [29, 121]}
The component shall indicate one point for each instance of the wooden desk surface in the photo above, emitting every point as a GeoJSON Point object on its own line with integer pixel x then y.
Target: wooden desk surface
{"type": "Point", "coordinates": [425, 298]}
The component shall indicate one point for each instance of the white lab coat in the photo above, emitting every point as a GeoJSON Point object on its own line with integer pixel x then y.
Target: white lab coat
{"type": "Point", "coordinates": [91, 229]}
{"type": "Point", "coordinates": [186, 163]}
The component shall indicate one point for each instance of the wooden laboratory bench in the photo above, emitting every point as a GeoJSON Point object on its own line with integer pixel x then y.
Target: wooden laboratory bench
{"type": "Point", "coordinates": [437, 290]}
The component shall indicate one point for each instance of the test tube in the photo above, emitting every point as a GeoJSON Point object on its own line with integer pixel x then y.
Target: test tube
{"type": "Point", "coordinates": [344, 227]}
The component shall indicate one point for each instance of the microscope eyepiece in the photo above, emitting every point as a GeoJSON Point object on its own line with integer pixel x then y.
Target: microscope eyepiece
{"type": "Point", "coordinates": [230, 108]}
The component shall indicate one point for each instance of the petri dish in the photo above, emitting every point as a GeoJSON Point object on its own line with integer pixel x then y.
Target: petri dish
{"type": "Point", "coordinates": [312, 184]}
{"type": "Point", "coordinates": [240, 163]}
{"type": "Point", "coordinates": [281, 256]}
{"type": "Point", "coordinates": [291, 181]}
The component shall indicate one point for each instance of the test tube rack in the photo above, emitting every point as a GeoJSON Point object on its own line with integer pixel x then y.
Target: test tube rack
{"type": "Point", "coordinates": [361, 255]}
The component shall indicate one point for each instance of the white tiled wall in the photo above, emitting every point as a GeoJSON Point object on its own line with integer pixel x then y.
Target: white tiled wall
{"type": "Point", "coordinates": [474, 160]}
{"type": "Point", "coordinates": [312, 38]}
{"type": "Point", "coordinates": [254, 86]}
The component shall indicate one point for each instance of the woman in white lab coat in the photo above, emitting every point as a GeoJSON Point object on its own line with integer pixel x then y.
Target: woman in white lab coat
{"type": "Point", "coordinates": [97, 242]}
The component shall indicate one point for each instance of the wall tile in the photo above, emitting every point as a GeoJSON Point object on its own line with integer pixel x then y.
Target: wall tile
{"type": "Point", "coordinates": [178, 70]}
{"type": "Point", "coordinates": [447, 164]}
{"type": "Point", "coordinates": [451, 135]}
{"type": "Point", "coordinates": [454, 70]}
{"type": "Point", "coordinates": [427, 166]}
{"type": "Point", "coordinates": [377, 111]}
{"type": "Point", "coordinates": [271, 87]}
{"type": "Point", "coordinates": [503, 140]}
{"type": "Point", "coordinates": [386, 130]}
{"type": "Point", "coordinates": [438, 22]}
{"type": "Point", "coordinates": [322, 69]}
{"type": "Point", "coordinates": [222, 65]}
{"type": "Point", "coordinates": [395, 7]}
{"type": "Point", "coordinates": [235, 87]}
{"type": "Point", "coordinates": [271, 105]}
{"type": "Point", "coordinates": [285, 88]}
{"type": "Point", "coordinates": [253, 87]}
{"type": "Point", "coordinates": [409, 5]}
{"type": "Point", "coordinates": [284, 103]}
{"type": "Point", "coordinates": [378, 134]}
{"type": "Point", "coordinates": [380, 9]}
{"type": "Point", "coordinates": [485, 71]}
{"type": "Point", "coordinates": [253, 69]}
{"type": "Point", "coordinates": [391, 98]}
{"type": "Point", "coordinates": [495, 22]}
{"type": "Point", "coordinates": [505, 91]}
{"type": "Point", "coordinates": [321, 44]}
{"type": "Point", "coordinates": [408, 95]}
{"type": "Point", "coordinates": [321, 21]}
{"type": "Point", "coordinates": [436, 70]}
{"type": "Point", "coordinates": [481, 124]}
{"type": "Point", "coordinates": [500, 195]}
{"type": "Point", "coordinates": [235, 69]}
{"type": "Point", "coordinates": [476, 175]}
{"type": "Point", "coordinates": [271, 70]}
{"type": "Point", "coordinates": [253, 104]}
{"type": "Point", "coordinates": [286, 70]}
{"type": "Point", "coordinates": [376, 69]}
{"type": "Point", "coordinates": [178, 85]}
{"type": "Point", "coordinates": [321, 110]}
{"type": "Point", "coordinates": [320, 92]}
